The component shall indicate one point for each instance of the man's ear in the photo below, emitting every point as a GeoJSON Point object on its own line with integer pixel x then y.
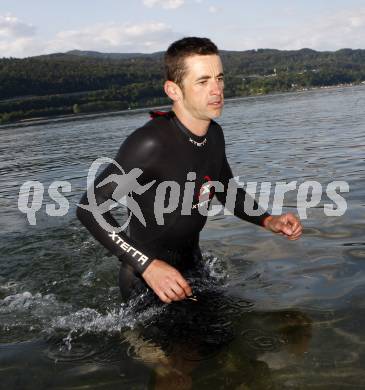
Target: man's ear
{"type": "Point", "coordinates": [172, 90]}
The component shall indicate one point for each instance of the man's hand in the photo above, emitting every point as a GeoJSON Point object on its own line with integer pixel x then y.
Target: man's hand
{"type": "Point", "coordinates": [166, 281]}
{"type": "Point", "coordinates": [287, 224]}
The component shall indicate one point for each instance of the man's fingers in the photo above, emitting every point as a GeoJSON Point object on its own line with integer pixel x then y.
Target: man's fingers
{"type": "Point", "coordinates": [180, 288]}
{"type": "Point", "coordinates": [185, 286]}
{"type": "Point", "coordinates": [297, 225]}
{"type": "Point", "coordinates": [288, 225]}
{"type": "Point", "coordinates": [298, 229]}
{"type": "Point", "coordinates": [166, 281]}
{"type": "Point", "coordinates": [297, 232]}
{"type": "Point", "coordinates": [285, 228]}
{"type": "Point", "coordinates": [164, 297]}
{"type": "Point", "coordinates": [170, 293]}
{"type": "Point", "coordinates": [294, 221]}
{"type": "Point", "coordinates": [178, 291]}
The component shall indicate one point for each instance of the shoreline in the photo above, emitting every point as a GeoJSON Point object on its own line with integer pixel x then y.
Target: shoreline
{"type": "Point", "coordinates": [80, 116]}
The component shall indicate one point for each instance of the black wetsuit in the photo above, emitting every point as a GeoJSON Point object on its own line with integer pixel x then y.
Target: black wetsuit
{"type": "Point", "coordinates": [165, 150]}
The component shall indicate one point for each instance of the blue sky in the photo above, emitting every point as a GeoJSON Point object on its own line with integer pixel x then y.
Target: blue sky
{"type": "Point", "coordinates": [42, 26]}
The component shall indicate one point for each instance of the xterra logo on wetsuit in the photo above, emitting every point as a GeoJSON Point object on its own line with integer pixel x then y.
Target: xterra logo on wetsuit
{"type": "Point", "coordinates": [129, 248]}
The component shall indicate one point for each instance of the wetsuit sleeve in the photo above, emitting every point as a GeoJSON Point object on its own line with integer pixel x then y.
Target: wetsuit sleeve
{"type": "Point", "coordinates": [237, 207]}
{"type": "Point", "coordinates": [135, 152]}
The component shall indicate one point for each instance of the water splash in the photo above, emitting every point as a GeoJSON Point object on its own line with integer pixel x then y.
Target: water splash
{"type": "Point", "coordinates": [68, 329]}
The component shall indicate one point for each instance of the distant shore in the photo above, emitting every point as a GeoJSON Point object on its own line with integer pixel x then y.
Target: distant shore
{"type": "Point", "coordinates": [87, 83]}
{"type": "Point", "coordinates": [80, 116]}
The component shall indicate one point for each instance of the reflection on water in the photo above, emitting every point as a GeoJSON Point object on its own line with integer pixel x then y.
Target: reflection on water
{"type": "Point", "coordinates": [216, 339]}
{"type": "Point", "coordinates": [270, 314]}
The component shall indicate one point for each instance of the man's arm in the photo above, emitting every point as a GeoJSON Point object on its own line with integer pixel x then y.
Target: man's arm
{"type": "Point", "coordinates": [138, 151]}
{"type": "Point", "coordinates": [112, 237]}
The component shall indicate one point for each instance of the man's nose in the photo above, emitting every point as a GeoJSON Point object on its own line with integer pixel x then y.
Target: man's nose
{"type": "Point", "coordinates": [216, 87]}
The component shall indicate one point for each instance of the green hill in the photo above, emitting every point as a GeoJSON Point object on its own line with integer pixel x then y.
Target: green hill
{"type": "Point", "coordinates": [87, 81]}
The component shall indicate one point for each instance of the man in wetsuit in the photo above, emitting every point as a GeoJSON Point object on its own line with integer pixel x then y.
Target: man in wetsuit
{"type": "Point", "coordinates": [173, 165]}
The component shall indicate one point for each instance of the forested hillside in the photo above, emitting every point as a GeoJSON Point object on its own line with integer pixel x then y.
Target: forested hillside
{"type": "Point", "coordinates": [77, 82]}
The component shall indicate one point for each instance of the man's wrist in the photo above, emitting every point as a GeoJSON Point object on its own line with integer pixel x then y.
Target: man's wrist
{"type": "Point", "coordinates": [148, 268]}
{"type": "Point", "coordinates": [266, 221]}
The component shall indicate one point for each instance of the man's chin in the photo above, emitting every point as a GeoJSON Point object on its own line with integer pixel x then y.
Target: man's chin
{"type": "Point", "coordinates": [216, 113]}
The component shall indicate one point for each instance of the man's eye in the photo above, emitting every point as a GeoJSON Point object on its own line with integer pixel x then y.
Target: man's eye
{"type": "Point", "coordinates": [203, 82]}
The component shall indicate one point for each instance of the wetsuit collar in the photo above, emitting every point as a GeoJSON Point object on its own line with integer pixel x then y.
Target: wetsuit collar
{"type": "Point", "coordinates": [193, 138]}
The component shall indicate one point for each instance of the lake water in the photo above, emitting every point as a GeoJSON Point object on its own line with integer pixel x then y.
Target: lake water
{"type": "Point", "coordinates": [271, 313]}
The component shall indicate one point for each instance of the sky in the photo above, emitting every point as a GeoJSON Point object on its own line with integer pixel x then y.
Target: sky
{"type": "Point", "coordinates": [29, 28]}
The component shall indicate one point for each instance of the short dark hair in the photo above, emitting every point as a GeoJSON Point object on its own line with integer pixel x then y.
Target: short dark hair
{"type": "Point", "coordinates": [178, 51]}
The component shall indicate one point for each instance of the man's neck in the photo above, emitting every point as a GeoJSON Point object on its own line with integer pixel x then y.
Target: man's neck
{"type": "Point", "coordinates": [198, 127]}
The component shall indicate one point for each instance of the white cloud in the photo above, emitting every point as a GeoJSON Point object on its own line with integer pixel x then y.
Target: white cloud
{"type": "Point", "coordinates": [21, 47]}
{"type": "Point", "coordinates": [213, 9]}
{"type": "Point", "coordinates": [12, 27]}
{"type": "Point", "coordinates": [16, 37]}
{"type": "Point", "coordinates": [343, 29]}
{"type": "Point", "coordinates": [167, 4]}
{"type": "Point", "coordinates": [327, 32]}
{"type": "Point", "coordinates": [145, 37]}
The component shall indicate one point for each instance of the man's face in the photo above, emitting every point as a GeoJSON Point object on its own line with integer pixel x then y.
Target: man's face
{"type": "Point", "coordinates": [203, 86]}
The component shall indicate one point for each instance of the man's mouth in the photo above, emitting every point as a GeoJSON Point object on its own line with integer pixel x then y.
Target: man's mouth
{"type": "Point", "coordinates": [217, 103]}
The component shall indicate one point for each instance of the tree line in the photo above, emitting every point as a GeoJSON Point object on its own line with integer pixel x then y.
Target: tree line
{"type": "Point", "coordinates": [80, 82]}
